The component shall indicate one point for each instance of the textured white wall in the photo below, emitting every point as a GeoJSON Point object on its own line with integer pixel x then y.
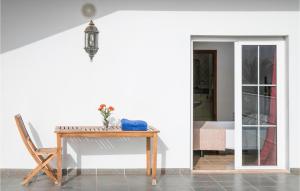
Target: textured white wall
{"type": "Point", "coordinates": [1, 109]}
{"type": "Point", "coordinates": [142, 68]}
{"type": "Point", "coordinates": [225, 77]}
{"type": "Point", "coordinates": [294, 102]}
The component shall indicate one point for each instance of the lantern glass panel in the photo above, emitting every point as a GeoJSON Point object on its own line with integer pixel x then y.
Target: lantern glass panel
{"type": "Point", "coordinates": [91, 40]}
{"type": "Point", "coordinates": [96, 40]}
{"type": "Point", "coordinates": [86, 40]}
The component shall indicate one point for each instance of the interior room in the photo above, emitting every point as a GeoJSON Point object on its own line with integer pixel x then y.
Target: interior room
{"type": "Point", "coordinates": [213, 105]}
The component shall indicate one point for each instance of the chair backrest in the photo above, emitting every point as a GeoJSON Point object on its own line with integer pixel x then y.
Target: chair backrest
{"type": "Point", "coordinates": [24, 134]}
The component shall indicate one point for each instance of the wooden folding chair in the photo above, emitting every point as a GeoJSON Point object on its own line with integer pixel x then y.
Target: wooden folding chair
{"type": "Point", "coordinates": [41, 155]}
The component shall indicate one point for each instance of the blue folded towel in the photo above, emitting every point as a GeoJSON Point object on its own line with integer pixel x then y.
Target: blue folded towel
{"type": "Point", "coordinates": [133, 125]}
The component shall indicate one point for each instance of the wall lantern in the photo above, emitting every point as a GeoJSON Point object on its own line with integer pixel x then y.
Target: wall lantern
{"type": "Point", "coordinates": [91, 40]}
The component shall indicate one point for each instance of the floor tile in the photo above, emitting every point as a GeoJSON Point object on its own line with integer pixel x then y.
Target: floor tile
{"type": "Point", "coordinates": [176, 188]}
{"type": "Point", "coordinates": [243, 188]}
{"type": "Point", "coordinates": [113, 188]}
{"type": "Point", "coordinates": [136, 180]}
{"type": "Point", "coordinates": [196, 182]}
{"type": "Point", "coordinates": [144, 188]}
{"type": "Point", "coordinates": [226, 177]}
{"type": "Point", "coordinates": [210, 188]}
{"type": "Point", "coordinates": [239, 183]}
{"type": "Point", "coordinates": [173, 180]}
{"type": "Point", "coordinates": [199, 178]}
{"type": "Point", "coordinates": [111, 180]}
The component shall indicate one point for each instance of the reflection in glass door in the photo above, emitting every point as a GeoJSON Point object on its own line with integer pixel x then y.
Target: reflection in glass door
{"type": "Point", "coordinates": [259, 105]}
{"type": "Point", "coordinates": [204, 81]}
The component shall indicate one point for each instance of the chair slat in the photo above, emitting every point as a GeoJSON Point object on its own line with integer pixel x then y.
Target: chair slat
{"type": "Point", "coordinates": [21, 126]}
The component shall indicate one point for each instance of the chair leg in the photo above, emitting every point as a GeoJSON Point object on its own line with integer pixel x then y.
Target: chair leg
{"type": "Point", "coordinates": [48, 171]}
{"type": "Point", "coordinates": [37, 169]}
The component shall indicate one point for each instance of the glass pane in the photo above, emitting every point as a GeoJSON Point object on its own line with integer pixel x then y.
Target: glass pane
{"type": "Point", "coordinates": [249, 64]}
{"type": "Point", "coordinates": [250, 148]}
{"type": "Point", "coordinates": [86, 40]}
{"type": "Point", "coordinates": [267, 64]}
{"type": "Point", "coordinates": [268, 146]}
{"type": "Point", "coordinates": [96, 41]}
{"type": "Point", "coordinates": [249, 100]}
{"type": "Point", "coordinates": [267, 102]}
{"type": "Point", "coordinates": [91, 40]}
{"type": "Point", "coordinates": [203, 72]}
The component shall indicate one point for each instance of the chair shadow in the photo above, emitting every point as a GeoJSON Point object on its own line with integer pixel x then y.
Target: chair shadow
{"type": "Point", "coordinates": [36, 139]}
{"type": "Point", "coordinates": [35, 136]}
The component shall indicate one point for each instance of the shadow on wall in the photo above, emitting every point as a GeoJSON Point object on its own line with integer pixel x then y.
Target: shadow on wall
{"type": "Point", "coordinates": [100, 146]}
{"type": "Point", "coordinates": [108, 146]}
{"type": "Point", "coordinates": [36, 20]}
{"type": "Point", "coordinates": [35, 136]}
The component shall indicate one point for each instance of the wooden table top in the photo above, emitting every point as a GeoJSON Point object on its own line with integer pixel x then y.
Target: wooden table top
{"type": "Point", "coordinates": [98, 129]}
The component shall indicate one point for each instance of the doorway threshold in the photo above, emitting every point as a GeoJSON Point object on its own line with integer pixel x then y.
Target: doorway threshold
{"type": "Point", "coordinates": [239, 171]}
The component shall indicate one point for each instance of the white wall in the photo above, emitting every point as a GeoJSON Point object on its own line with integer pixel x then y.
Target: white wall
{"type": "Point", "coordinates": [225, 77]}
{"type": "Point", "coordinates": [1, 91]}
{"type": "Point", "coordinates": [68, 14]}
{"type": "Point", "coordinates": [1, 108]}
{"type": "Point", "coordinates": [142, 68]}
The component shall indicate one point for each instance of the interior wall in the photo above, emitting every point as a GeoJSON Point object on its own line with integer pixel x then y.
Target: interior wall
{"type": "Point", "coordinates": [142, 69]}
{"type": "Point", "coordinates": [225, 77]}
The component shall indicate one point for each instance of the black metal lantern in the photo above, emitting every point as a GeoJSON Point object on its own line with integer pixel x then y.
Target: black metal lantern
{"type": "Point", "coordinates": [91, 40]}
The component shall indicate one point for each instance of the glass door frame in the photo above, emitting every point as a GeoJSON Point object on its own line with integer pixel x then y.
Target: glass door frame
{"type": "Point", "coordinates": [282, 92]}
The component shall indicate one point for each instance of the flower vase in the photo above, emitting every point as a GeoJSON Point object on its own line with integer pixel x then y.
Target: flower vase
{"type": "Point", "coordinates": [105, 124]}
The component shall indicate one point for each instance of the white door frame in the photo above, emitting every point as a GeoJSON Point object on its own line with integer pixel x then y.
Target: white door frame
{"type": "Point", "coordinates": [281, 104]}
{"type": "Point", "coordinates": [282, 96]}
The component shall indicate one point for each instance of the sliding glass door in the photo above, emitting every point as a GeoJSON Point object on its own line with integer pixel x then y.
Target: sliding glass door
{"type": "Point", "coordinates": [257, 127]}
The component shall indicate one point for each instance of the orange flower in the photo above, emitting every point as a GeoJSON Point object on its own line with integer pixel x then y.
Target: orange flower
{"type": "Point", "coordinates": [110, 108]}
{"type": "Point", "coordinates": [101, 106]}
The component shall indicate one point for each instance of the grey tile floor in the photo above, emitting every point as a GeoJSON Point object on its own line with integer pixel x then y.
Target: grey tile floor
{"type": "Point", "coordinates": [203, 182]}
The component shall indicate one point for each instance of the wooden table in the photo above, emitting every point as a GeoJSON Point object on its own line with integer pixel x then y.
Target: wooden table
{"type": "Point", "coordinates": [97, 131]}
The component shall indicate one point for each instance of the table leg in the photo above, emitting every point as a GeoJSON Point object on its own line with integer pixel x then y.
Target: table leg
{"type": "Point", "coordinates": [154, 159]}
{"type": "Point", "coordinates": [148, 161]}
{"type": "Point", "coordinates": [59, 159]}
